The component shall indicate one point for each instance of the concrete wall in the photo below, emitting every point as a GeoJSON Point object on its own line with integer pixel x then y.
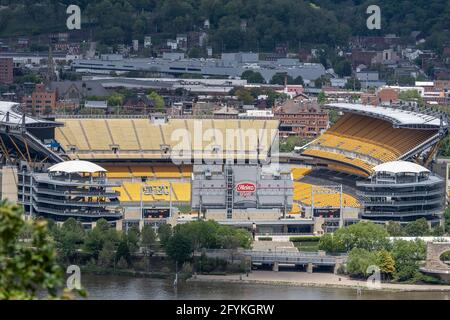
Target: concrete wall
{"type": "Point", "coordinates": [9, 183]}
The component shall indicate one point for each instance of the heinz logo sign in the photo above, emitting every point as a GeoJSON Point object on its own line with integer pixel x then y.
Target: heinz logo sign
{"type": "Point", "coordinates": [245, 187]}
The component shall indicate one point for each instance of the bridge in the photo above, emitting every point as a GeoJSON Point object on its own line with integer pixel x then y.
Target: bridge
{"type": "Point", "coordinates": [275, 259]}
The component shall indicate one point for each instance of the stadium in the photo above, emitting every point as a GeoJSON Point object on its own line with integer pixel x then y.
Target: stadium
{"type": "Point", "coordinates": [159, 169]}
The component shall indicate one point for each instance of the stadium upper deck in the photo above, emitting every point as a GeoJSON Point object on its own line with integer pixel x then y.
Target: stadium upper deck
{"type": "Point", "coordinates": [186, 139]}
{"type": "Point", "coordinates": [367, 136]}
{"type": "Point", "coordinates": [404, 118]}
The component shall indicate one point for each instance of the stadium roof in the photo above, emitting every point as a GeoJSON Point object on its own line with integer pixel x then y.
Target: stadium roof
{"type": "Point", "coordinates": [76, 166]}
{"type": "Point", "coordinates": [400, 167]}
{"type": "Point", "coordinates": [15, 118]}
{"type": "Point", "coordinates": [400, 117]}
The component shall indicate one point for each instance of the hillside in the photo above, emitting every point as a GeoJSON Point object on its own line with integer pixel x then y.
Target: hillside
{"type": "Point", "coordinates": [268, 22]}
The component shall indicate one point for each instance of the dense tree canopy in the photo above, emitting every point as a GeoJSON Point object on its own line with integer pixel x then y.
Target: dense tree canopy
{"type": "Point", "coordinates": [234, 24]}
{"type": "Point", "coordinates": [363, 235]}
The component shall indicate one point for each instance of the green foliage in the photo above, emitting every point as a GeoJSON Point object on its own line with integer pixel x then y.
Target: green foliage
{"type": "Point", "coordinates": [359, 260]}
{"type": "Point", "coordinates": [115, 99]}
{"type": "Point", "coordinates": [179, 247]}
{"type": "Point", "coordinates": [411, 95]}
{"type": "Point", "coordinates": [269, 22]}
{"type": "Point", "coordinates": [252, 76]}
{"type": "Point", "coordinates": [304, 239]}
{"type": "Point", "coordinates": [198, 235]}
{"type": "Point", "coordinates": [158, 100]}
{"type": "Point", "coordinates": [353, 84]}
{"type": "Point", "coordinates": [69, 238]}
{"type": "Point", "coordinates": [385, 262]}
{"type": "Point", "coordinates": [333, 116]}
{"type": "Point", "coordinates": [98, 237]}
{"type": "Point", "coordinates": [289, 144]}
{"type": "Point", "coordinates": [164, 233]}
{"type": "Point", "coordinates": [343, 68]}
{"type": "Point", "coordinates": [123, 250]}
{"type": "Point", "coordinates": [363, 235]}
{"type": "Point", "coordinates": [321, 98]}
{"type": "Point", "coordinates": [281, 79]}
{"type": "Point", "coordinates": [27, 265]}
{"type": "Point", "coordinates": [148, 238]}
{"type": "Point", "coordinates": [244, 96]}
{"type": "Point", "coordinates": [417, 228]}
{"type": "Point", "coordinates": [395, 229]}
{"type": "Point", "coordinates": [407, 256]}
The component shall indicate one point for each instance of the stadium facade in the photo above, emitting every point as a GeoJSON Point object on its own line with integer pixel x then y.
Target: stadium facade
{"type": "Point", "coordinates": [233, 190]}
{"type": "Point", "coordinates": [72, 189]}
{"type": "Point", "coordinates": [160, 169]}
{"type": "Point", "coordinates": [402, 191]}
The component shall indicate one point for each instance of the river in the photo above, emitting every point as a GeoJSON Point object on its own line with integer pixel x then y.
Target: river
{"type": "Point", "coordinates": [130, 288]}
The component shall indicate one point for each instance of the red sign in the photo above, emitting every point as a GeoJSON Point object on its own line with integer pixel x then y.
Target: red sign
{"type": "Point", "coordinates": [246, 187]}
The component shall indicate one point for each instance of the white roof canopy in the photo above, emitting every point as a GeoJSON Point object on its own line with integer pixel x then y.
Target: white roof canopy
{"type": "Point", "coordinates": [400, 167]}
{"type": "Point", "coordinates": [398, 116]}
{"type": "Point", "coordinates": [76, 166]}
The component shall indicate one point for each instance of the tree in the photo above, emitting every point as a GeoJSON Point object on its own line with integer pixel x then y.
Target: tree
{"type": "Point", "coordinates": [359, 261]}
{"type": "Point", "coordinates": [326, 243]}
{"type": "Point", "coordinates": [407, 256]}
{"type": "Point", "coordinates": [179, 247]}
{"type": "Point", "coordinates": [298, 80]}
{"type": "Point", "coordinates": [123, 250]}
{"type": "Point", "coordinates": [106, 256]}
{"type": "Point", "coordinates": [385, 262]}
{"type": "Point", "coordinates": [353, 84]}
{"type": "Point", "coordinates": [97, 237]}
{"type": "Point", "coordinates": [26, 266]}
{"type": "Point", "coordinates": [252, 77]}
{"type": "Point", "coordinates": [158, 100]}
{"type": "Point", "coordinates": [322, 98]}
{"type": "Point", "coordinates": [132, 238]}
{"type": "Point", "coordinates": [343, 68]}
{"type": "Point", "coordinates": [363, 235]}
{"type": "Point", "coordinates": [244, 96]}
{"type": "Point", "coordinates": [321, 82]}
{"type": "Point", "coordinates": [394, 229]}
{"type": "Point", "coordinates": [164, 234]}
{"type": "Point", "coordinates": [69, 238]}
{"type": "Point", "coordinates": [418, 228]}
{"type": "Point", "coordinates": [333, 116]}
{"type": "Point", "coordinates": [281, 79]}
{"type": "Point", "coordinates": [411, 95]}
{"type": "Point", "coordinates": [115, 100]}
{"type": "Point", "coordinates": [289, 144]}
{"type": "Point", "coordinates": [148, 238]}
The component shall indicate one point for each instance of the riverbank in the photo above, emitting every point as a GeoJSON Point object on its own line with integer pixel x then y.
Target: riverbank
{"type": "Point", "coordinates": [319, 280]}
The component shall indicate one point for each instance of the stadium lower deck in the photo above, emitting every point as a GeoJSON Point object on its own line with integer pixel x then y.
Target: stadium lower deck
{"type": "Point", "coordinates": [171, 184]}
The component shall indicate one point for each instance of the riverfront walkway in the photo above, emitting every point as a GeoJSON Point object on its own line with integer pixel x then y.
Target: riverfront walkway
{"type": "Point", "coordinates": [325, 280]}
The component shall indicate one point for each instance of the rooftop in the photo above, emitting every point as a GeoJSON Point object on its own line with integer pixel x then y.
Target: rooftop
{"type": "Point", "coordinates": [76, 166]}
{"type": "Point", "coordinates": [400, 167]}
{"type": "Point", "coordinates": [400, 117]}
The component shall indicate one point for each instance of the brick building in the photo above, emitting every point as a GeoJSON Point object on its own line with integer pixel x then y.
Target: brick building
{"type": "Point", "coordinates": [6, 70]}
{"type": "Point", "coordinates": [41, 101]}
{"type": "Point", "coordinates": [304, 119]}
